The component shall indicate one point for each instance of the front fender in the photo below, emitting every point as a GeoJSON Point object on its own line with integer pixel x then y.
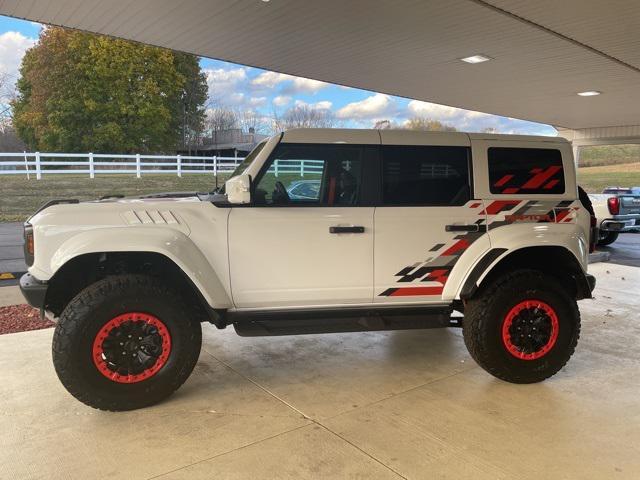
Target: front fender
{"type": "Point", "coordinates": [171, 243]}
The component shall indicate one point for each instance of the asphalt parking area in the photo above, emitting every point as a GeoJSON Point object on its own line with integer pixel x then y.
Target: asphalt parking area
{"type": "Point", "coordinates": [406, 404]}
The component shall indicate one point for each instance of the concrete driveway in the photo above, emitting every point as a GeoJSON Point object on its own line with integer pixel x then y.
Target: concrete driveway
{"type": "Point", "coordinates": [406, 404]}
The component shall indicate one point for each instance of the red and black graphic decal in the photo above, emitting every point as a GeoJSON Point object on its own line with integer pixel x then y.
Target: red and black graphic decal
{"type": "Point", "coordinates": [533, 211]}
{"type": "Point", "coordinates": [498, 213]}
{"type": "Point", "coordinates": [436, 270]}
{"type": "Point", "coordinates": [516, 171]}
{"type": "Point", "coordinates": [539, 180]}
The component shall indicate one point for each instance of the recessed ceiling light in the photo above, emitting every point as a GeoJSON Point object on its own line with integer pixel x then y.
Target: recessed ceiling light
{"type": "Point", "coordinates": [589, 93]}
{"type": "Point", "coordinates": [476, 59]}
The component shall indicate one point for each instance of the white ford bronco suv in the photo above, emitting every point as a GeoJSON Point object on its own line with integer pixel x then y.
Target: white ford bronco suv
{"type": "Point", "coordinates": [320, 231]}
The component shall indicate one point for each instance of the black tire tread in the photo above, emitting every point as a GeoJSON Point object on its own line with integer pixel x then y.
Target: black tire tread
{"type": "Point", "coordinates": [477, 315]}
{"type": "Point", "coordinates": [608, 239]}
{"type": "Point", "coordinates": [71, 320]}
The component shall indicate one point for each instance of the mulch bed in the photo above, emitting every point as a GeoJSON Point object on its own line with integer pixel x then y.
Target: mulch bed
{"type": "Point", "coordinates": [20, 318]}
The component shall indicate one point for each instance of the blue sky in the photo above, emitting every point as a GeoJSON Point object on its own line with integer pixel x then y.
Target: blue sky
{"type": "Point", "coordinates": [247, 88]}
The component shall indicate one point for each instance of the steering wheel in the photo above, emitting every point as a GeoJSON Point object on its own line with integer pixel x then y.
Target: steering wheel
{"type": "Point", "coordinates": [280, 194]}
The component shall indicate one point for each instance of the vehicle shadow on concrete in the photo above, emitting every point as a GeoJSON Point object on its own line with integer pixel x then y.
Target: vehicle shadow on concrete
{"type": "Point", "coordinates": [625, 250]}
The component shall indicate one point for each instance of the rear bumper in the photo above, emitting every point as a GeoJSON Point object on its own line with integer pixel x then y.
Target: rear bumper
{"type": "Point", "coordinates": [33, 290]}
{"type": "Point", "coordinates": [622, 223]}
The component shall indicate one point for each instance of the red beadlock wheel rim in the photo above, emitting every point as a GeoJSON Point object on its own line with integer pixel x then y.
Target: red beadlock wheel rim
{"type": "Point", "coordinates": [131, 347]}
{"type": "Point", "coordinates": [530, 329]}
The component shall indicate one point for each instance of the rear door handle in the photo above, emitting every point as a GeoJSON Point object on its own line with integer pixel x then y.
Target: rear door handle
{"type": "Point", "coordinates": [346, 229]}
{"type": "Point", "coordinates": [462, 228]}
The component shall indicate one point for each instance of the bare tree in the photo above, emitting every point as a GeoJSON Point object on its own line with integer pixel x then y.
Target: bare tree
{"type": "Point", "coordinates": [9, 140]}
{"type": "Point", "coordinates": [220, 119]}
{"type": "Point", "coordinates": [252, 121]}
{"type": "Point", "coordinates": [428, 125]}
{"type": "Point", "coordinates": [304, 116]}
{"type": "Point", "coordinates": [384, 125]}
{"type": "Point", "coordinates": [7, 96]}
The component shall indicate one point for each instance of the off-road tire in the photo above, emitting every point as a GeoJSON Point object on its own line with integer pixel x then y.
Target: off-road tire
{"type": "Point", "coordinates": [485, 314]}
{"type": "Point", "coordinates": [93, 308]}
{"type": "Point", "coordinates": [608, 238]}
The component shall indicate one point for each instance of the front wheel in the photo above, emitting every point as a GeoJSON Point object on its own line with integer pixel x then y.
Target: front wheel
{"type": "Point", "coordinates": [522, 328]}
{"type": "Point", "coordinates": [607, 238]}
{"type": "Point", "coordinates": [126, 342]}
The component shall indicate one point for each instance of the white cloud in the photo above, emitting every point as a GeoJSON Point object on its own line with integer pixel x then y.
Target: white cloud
{"type": "Point", "coordinates": [257, 101]}
{"type": "Point", "coordinates": [441, 112]}
{"type": "Point", "coordinates": [13, 45]}
{"type": "Point", "coordinates": [225, 82]}
{"type": "Point", "coordinates": [472, 121]}
{"type": "Point", "coordinates": [281, 100]}
{"type": "Point", "coordinates": [293, 84]}
{"type": "Point", "coordinates": [374, 107]}
{"type": "Point", "coordinates": [322, 105]}
{"type": "Point", "coordinates": [269, 79]}
{"type": "Point", "coordinates": [305, 85]}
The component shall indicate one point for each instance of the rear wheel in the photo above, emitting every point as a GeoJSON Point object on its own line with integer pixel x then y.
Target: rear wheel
{"type": "Point", "coordinates": [126, 342]}
{"type": "Point", "coordinates": [607, 238]}
{"type": "Point", "coordinates": [522, 328]}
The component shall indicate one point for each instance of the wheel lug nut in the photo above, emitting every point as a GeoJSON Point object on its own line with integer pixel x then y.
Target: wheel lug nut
{"type": "Point", "coordinates": [124, 353]}
{"type": "Point", "coordinates": [121, 344]}
{"type": "Point", "coordinates": [128, 336]}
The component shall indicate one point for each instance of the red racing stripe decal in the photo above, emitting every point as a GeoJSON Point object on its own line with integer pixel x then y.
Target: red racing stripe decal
{"type": "Point", "coordinates": [498, 205]}
{"type": "Point", "coordinates": [503, 180]}
{"type": "Point", "coordinates": [416, 291]}
{"type": "Point", "coordinates": [461, 244]}
{"type": "Point", "coordinates": [560, 215]}
{"type": "Point", "coordinates": [537, 180]}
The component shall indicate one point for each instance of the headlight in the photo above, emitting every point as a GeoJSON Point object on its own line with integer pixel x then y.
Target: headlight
{"type": "Point", "coordinates": [29, 246]}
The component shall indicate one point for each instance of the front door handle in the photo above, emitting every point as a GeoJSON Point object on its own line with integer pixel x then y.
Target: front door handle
{"type": "Point", "coordinates": [346, 229]}
{"type": "Point", "coordinates": [462, 228]}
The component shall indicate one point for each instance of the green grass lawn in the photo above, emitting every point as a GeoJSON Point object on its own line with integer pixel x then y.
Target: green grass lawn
{"type": "Point", "coordinates": [20, 197]}
{"type": "Point", "coordinates": [594, 179]}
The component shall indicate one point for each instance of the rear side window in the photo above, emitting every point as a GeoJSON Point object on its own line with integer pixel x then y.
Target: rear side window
{"type": "Point", "coordinates": [425, 175]}
{"type": "Point", "coordinates": [525, 171]}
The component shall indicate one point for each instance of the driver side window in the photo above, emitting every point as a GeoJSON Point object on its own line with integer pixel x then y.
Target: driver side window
{"type": "Point", "coordinates": [320, 175]}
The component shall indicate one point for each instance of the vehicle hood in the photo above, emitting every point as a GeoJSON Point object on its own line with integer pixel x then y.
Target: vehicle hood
{"type": "Point", "coordinates": [167, 210]}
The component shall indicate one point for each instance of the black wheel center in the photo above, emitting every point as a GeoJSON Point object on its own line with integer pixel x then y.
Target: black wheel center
{"type": "Point", "coordinates": [132, 347]}
{"type": "Point", "coordinates": [531, 330]}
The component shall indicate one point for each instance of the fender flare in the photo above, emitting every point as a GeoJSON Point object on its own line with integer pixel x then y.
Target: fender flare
{"type": "Point", "coordinates": [584, 282]}
{"type": "Point", "coordinates": [171, 243]}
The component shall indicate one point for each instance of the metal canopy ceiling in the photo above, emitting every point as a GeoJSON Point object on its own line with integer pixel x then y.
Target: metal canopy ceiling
{"type": "Point", "coordinates": [544, 51]}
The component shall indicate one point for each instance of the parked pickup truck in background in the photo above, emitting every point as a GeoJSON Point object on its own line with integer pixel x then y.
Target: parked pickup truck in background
{"type": "Point", "coordinates": [617, 210]}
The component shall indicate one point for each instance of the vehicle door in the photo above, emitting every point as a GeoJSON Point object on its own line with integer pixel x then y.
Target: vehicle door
{"type": "Point", "coordinates": [307, 238]}
{"type": "Point", "coordinates": [427, 219]}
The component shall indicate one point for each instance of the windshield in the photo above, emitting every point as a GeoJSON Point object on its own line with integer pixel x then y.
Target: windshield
{"type": "Point", "coordinates": [242, 167]}
{"type": "Point", "coordinates": [248, 159]}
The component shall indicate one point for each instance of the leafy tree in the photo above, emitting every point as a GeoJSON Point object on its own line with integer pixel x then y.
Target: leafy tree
{"type": "Point", "coordinates": [190, 112]}
{"type": "Point", "coordinates": [85, 92]}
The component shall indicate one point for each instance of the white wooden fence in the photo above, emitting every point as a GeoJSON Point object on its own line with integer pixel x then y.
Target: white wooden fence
{"type": "Point", "coordinates": [40, 164]}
